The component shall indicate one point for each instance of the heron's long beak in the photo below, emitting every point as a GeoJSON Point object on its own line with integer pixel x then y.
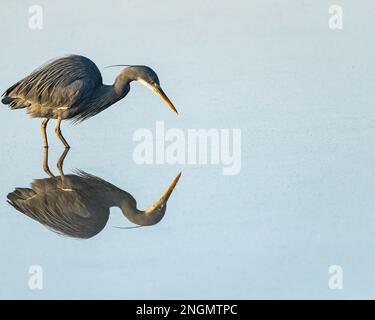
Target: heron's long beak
{"type": "Point", "coordinates": [168, 192]}
{"type": "Point", "coordinates": [164, 198]}
{"type": "Point", "coordinates": [159, 91]}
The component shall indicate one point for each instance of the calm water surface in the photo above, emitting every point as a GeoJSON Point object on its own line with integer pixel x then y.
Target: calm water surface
{"type": "Point", "coordinates": [303, 97]}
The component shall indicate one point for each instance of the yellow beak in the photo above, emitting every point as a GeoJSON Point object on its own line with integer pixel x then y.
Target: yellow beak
{"type": "Point", "coordinates": [159, 91]}
{"type": "Point", "coordinates": [165, 196]}
{"type": "Point", "coordinates": [167, 193]}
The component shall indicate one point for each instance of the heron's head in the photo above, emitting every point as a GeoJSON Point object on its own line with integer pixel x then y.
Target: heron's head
{"type": "Point", "coordinates": [154, 213]}
{"type": "Point", "coordinates": [157, 210]}
{"type": "Point", "coordinates": [148, 77]}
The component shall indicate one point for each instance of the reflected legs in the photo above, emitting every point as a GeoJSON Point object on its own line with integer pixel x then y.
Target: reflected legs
{"type": "Point", "coordinates": [45, 163]}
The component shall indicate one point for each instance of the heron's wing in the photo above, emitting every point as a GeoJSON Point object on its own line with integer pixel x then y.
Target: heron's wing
{"type": "Point", "coordinates": [61, 83]}
{"type": "Point", "coordinates": [66, 212]}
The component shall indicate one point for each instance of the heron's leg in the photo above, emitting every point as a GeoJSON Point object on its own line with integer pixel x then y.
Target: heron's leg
{"type": "Point", "coordinates": [45, 163]}
{"type": "Point", "coordinates": [44, 134]}
{"type": "Point", "coordinates": [59, 134]}
{"type": "Point", "coordinates": [60, 162]}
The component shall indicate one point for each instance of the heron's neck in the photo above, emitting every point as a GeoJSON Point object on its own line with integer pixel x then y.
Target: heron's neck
{"type": "Point", "coordinates": [128, 206]}
{"type": "Point", "coordinates": [121, 85]}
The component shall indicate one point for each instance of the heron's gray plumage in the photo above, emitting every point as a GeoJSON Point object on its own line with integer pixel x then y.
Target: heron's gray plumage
{"type": "Point", "coordinates": [71, 87]}
{"type": "Point", "coordinates": [56, 89]}
{"type": "Point", "coordinates": [76, 208]}
{"type": "Point", "coordinates": [77, 205]}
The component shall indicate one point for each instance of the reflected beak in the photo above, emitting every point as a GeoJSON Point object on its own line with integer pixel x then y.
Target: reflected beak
{"type": "Point", "coordinates": [167, 193]}
{"type": "Point", "coordinates": [164, 198]}
{"type": "Point", "coordinates": [159, 91]}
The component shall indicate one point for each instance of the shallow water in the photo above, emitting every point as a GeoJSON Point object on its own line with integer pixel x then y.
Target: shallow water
{"type": "Point", "coordinates": [301, 94]}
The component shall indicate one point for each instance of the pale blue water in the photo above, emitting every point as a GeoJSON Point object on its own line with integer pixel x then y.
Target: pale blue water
{"type": "Point", "coordinates": [303, 96]}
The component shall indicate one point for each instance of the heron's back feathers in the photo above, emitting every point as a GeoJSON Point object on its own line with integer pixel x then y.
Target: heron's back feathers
{"type": "Point", "coordinates": [13, 102]}
{"type": "Point", "coordinates": [55, 87]}
{"type": "Point", "coordinates": [64, 210]}
{"type": "Point", "coordinates": [21, 194]}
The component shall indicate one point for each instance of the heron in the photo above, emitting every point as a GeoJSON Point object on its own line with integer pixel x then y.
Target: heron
{"type": "Point", "coordinates": [78, 205]}
{"type": "Point", "coordinates": [71, 87]}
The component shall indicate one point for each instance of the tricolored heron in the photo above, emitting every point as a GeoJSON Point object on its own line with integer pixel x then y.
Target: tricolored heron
{"type": "Point", "coordinates": [71, 87]}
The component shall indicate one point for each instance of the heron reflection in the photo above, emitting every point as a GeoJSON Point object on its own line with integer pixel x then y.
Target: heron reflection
{"type": "Point", "coordinates": [78, 205]}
